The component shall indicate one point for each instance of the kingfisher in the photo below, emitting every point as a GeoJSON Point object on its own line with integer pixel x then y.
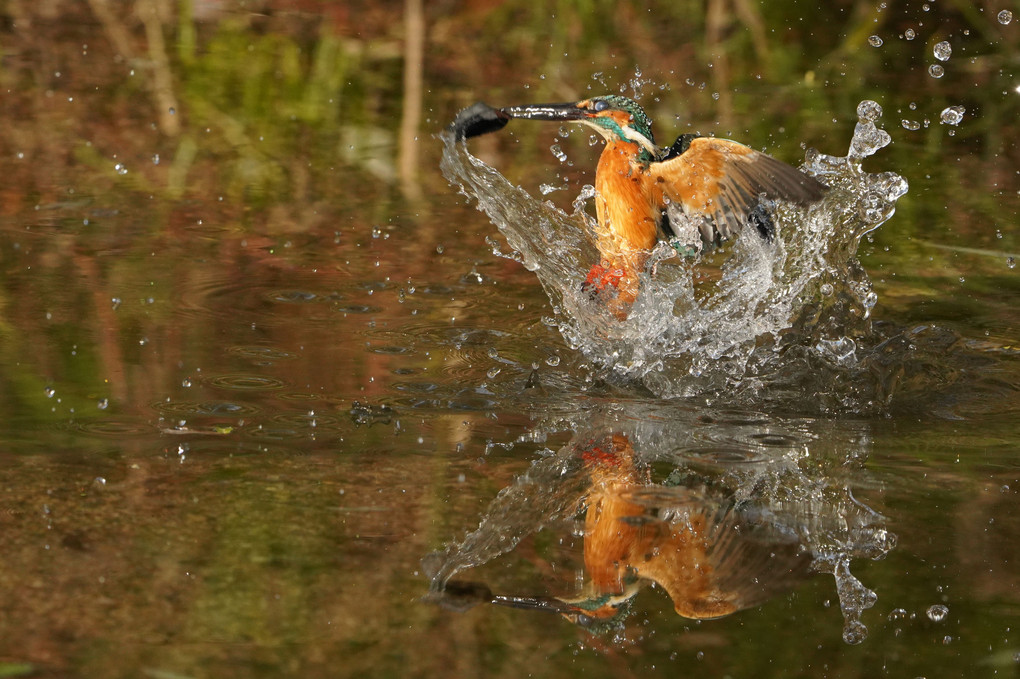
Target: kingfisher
{"type": "Point", "coordinates": [643, 191]}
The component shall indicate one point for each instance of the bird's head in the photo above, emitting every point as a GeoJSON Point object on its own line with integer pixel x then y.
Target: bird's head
{"type": "Point", "coordinates": [615, 117]}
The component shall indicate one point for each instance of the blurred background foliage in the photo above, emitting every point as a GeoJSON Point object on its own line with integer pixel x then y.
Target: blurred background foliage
{"type": "Point", "coordinates": [262, 101]}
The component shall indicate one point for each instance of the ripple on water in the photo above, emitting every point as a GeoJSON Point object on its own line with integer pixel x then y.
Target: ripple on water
{"type": "Point", "coordinates": [389, 349]}
{"type": "Point", "coordinates": [353, 308]}
{"type": "Point", "coordinates": [467, 351]}
{"type": "Point", "coordinates": [206, 408]}
{"type": "Point", "coordinates": [116, 428]}
{"type": "Point", "coordinates": [262, 355]}
{"type": "Point", "coordinates": [728, 457]}
{"type": "Point", "coordinates": [424, 395]}
{"type": "Point", "coordinates": [245, 382]}
{"type": "Point", "coordinates": [777, 440]}
{"type": "Point", "coordinates": [213, 295]}
{"type": "Point", "coordinates": [416, 387]}
{"type": "Point", "coordinates": [296, 296]}
{"type": "Point", "coordinates": [303, 397]}
{"type": "Point", "coordinates": [747, 434]}
{"type": "Point", "coordinates": [311, 421]}
{"type": "Point", "coordinates": [270, 433]}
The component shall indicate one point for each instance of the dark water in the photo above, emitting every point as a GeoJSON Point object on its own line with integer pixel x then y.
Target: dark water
{"type": "Point", "coordinates": [270, 404]}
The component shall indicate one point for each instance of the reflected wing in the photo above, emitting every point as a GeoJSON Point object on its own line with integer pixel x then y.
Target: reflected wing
{"type": "Point", "coordinates": [722, 182]}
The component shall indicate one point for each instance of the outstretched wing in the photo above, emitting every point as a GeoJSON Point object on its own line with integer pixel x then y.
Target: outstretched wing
{"type": "Point", "coordinates": [721, 182]}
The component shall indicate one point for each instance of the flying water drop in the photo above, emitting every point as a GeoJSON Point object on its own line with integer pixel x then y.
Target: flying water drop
{"type": "Point", "coordinates": [952, 115]}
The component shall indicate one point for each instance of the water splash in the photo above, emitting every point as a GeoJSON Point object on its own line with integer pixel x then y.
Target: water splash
{"type": "Point", "coordinates": [754, 321]}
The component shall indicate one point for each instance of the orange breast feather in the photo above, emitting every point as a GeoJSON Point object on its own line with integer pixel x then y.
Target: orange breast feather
{"type": "Point", "coordinates": [626, 214]}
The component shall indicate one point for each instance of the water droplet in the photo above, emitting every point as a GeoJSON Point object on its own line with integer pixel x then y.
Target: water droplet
{"type": "Point", "coordinates": [943, 50]}
{"type": "Point", "coordinates": [897, 614]}
{"type": "Point", "coordinates": [1005, 16]}
{"type": "Point", "coordinates": [173, 110]}
{"type": "Point", "coordinates": [937, 613]}
{"type": "Point", "coordinates": [553, 361]}
{"type": "Point", "coordinates": [115, 301]}
{"type": "Point", "coordinates": [909, 34]}
{"type": "Point", "coordinates": [558, 152]}
{"type": "Point", "coordinates": [871, 299]}
{"type": "Point", "coordinates": [910, 124]}
{"type": "Point", "coordinates": [1011, 262]}
{"type": "Point", "coordinates": [875, 41]}
{"type": "Point", "coordinates": [826, 289]}
{"type": "Point", "coordinates": [952, 115]}
{"type": "Point", "coordinates": [869, 111]}
{"type": "Point", "coordinates": [185, 382]}
{"type": "Point", "coordinates": [50, 391]}
{"type": "Point", "coordinates": [936, 71]}
{"type": "Point", "coordinates": [492, 372]}
{"type": "Point", "coordinates": [155, 159]}
{"type": "Point", "coordinates": [103, 404]}
{"type": "Point", "coordinates": [854, 632]}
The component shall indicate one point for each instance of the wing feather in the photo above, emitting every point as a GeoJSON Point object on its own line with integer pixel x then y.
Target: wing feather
{"type": "Point", "coordinates": [722, 181]}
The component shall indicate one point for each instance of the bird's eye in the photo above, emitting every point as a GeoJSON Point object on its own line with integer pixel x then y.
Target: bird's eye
{"type": "Point", "coordinates": [599, 105]}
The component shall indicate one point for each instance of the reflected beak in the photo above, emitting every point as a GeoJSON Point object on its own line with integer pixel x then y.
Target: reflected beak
{"type": "Point", "coordinates": [531, 603]}
{"type": "Point", "coordinates": [460, 595]}
{"type": "Point", "coordinates": [563, 112]}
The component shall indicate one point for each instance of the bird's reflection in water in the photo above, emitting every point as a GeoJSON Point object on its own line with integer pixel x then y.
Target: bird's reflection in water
{"type": "Point", "coordinates": [719, 529]}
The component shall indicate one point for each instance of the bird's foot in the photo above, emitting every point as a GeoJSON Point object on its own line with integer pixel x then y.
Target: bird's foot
{"type": "Point", "coordinates": [601, 277]}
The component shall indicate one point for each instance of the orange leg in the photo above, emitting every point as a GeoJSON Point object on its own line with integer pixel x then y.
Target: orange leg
{"type": "Point", "coordinates": [615, 286]}
{"type": "Point", "coordinates": [601, 276]}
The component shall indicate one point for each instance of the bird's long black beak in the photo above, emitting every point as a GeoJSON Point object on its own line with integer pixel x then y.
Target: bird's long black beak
{"type": "Point", "coordinates": [565, 112]}
{"type": "Point", "coordinates": [480, 118]}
